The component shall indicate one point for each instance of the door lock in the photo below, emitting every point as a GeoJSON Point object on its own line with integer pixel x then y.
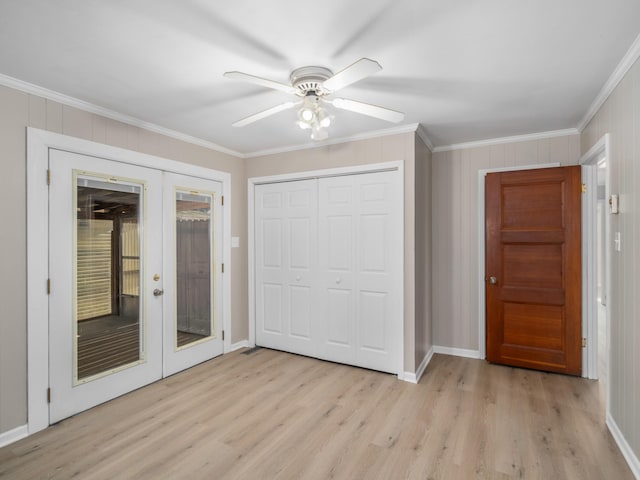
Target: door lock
{"type": "Point", "coordinates": [157, 292]}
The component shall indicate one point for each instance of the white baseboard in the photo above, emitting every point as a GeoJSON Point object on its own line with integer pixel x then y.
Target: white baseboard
{"type": "Point", "coordinates": [238, 345]}
{"type": "Point", "coordinates": [457, 352]}
{"type": "Point", "coordinates": [625, 448]}
{"type": "Point", "coordinates": [415, 377]}
{"type": "Point", "coordinates": [13, 435]}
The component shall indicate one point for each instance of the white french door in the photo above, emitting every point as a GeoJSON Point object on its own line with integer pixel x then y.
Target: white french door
{"type": "Point", "coordinates": [192, 268]}
{"type": "Point", "coordinates": [134, 258]}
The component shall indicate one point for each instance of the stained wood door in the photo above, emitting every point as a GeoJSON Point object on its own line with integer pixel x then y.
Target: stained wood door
{"type": "Point", "coordinates": [533, 269]}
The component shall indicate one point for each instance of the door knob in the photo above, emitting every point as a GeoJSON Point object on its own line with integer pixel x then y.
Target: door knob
{"type": "Point", "coordinates": [338, 280]}
{"type": "Point", "coordinates": [298, 278]}
{"type": "Point", "coordinates": [157, 292]}
{"type": "Point", "coordinates": [493, 280]}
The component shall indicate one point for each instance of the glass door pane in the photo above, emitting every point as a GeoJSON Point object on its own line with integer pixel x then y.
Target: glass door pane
{"type": "Point", "coordinates": [194, 248]}
{"type": "Point", "coordinates": [107, 329]}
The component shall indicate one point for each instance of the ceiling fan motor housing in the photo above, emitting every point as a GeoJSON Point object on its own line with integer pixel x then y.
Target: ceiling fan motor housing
{"type": "Point", "coordinates": [309, 80]}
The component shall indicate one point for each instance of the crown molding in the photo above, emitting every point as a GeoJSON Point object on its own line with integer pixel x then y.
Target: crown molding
{"type": "Point", "coordinates": [618, 74]}
{"type": "Point", "coordinates": [412, 127]}
{"type": "Point", "coordinates": [32, 89]}
{"type": "Point", "coordinates": [422, 133]}
{"type": "Point", "coordinates": [513, 139]}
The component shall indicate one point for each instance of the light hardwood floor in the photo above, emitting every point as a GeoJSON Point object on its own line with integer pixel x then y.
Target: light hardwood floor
{"type": "Point", "coordinates": [275, 415]}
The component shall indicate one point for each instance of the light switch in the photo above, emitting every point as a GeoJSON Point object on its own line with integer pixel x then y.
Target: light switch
{"type": "Point", "coordinates": [616, 242]}
{"type": "Point", "coordinates": [235, 242]}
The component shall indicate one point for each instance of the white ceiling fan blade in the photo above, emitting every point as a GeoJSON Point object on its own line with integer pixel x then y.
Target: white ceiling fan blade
{"type": "Point", "coordinates": [368, 109]}
{"type": "Point", "coordinates": [263, 82]}
{"type": "Point", "coordinates": [354, 72]}
{"type": "Point", "coordinates": [265, 113]}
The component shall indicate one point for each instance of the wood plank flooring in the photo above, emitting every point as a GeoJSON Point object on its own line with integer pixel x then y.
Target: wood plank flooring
{"type": "Point", "coordinates": [273, 415]}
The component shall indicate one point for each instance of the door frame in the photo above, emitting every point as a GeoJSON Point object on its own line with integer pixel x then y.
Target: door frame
{"type": "Point", "coordinates": [482, 284]}
{"type": "Point", "coordinates": [397, 166]}
{"type": "Point", "coordinates": [589, 163]}
{"type": "Point", "coordinates": [39, 142]}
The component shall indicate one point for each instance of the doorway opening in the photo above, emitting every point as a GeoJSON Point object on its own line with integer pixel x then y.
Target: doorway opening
{"type": "Point", "coordinates": [103, 325]}
{"type": "Point", "coordinates": [596, 260]}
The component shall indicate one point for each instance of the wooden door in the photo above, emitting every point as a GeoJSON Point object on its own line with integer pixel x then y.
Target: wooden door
{"type": "Point", "coordinates": [533, 269]}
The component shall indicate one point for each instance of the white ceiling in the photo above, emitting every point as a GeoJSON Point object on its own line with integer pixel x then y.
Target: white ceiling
{"type": "Point", "coordinates": [465, 70]}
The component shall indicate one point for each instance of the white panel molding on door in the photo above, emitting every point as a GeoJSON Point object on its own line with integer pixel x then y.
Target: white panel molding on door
{"type": "Point", "coordinates": [360, 268]}
{"type": "Point", "coordinates": [39, 143]}
{"type": "Point", "coordinates": [286, 262]}
{"type": "Point", "coordinates": [339, 308]}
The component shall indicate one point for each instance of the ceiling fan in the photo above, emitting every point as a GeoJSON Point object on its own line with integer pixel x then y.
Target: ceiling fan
{"type": "Point", "coordinates": [314, 86]}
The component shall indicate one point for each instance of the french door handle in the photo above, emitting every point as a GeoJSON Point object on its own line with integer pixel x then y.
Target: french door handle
{"type": "Point", "coordinates": [157, 292]}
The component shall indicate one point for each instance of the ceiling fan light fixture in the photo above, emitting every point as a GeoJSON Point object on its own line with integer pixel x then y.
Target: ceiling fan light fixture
{"type": "Point", "coordinates": [312, 85]}
{"type": "Point", "coordinates": [318, 133]}
{"type": "Point", "coordinates": [306, 114]}
{"type": "Point", "coordinates": [324, 119]}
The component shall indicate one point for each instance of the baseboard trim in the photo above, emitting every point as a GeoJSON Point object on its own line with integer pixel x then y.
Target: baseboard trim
{"type": "Point", "coordinates": [415, 377]}
{"type": "Point", "coordinates": [14, 435]}
{"type": "Point", "coordinates": [625, 448]}
{"type": "Point", "coordinates": [457, 352]}
{"type": "Point", "coordinates": [238, 345]}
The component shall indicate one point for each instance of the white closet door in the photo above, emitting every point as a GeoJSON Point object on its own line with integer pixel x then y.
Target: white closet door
{"type": "Point", "coordinates": [285, 265]}
{"type": "Point", "coordinates": [360, 255]}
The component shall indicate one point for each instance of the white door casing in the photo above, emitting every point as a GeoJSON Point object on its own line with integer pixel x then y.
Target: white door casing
{"type": "Point", "coordinates": [40, 144]}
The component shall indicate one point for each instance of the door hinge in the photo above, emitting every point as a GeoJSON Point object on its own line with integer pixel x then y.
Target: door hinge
{"type": "Point", "coordinates": [584, 343]}
{"type": "Point", "coordinates": [48, 286]}
{"type": "Point", "coordinates": [48, 177]}
{"type": "Point", "coordinates": [584, 188]}
{"type": "Point", "coordinates": [222, 200]}
{"type": "Point", "coordinates": [49, 395]}
{"type": "Point", "coordinates": [223, 335]}
{"type": "Point", "coordinates": [223, 268]}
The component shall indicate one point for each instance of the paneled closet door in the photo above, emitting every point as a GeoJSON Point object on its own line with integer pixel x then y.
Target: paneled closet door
{"type": "Point", "coordinates": [286, 239]}
{"type": "Point", "coordinates": [360, 268]}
